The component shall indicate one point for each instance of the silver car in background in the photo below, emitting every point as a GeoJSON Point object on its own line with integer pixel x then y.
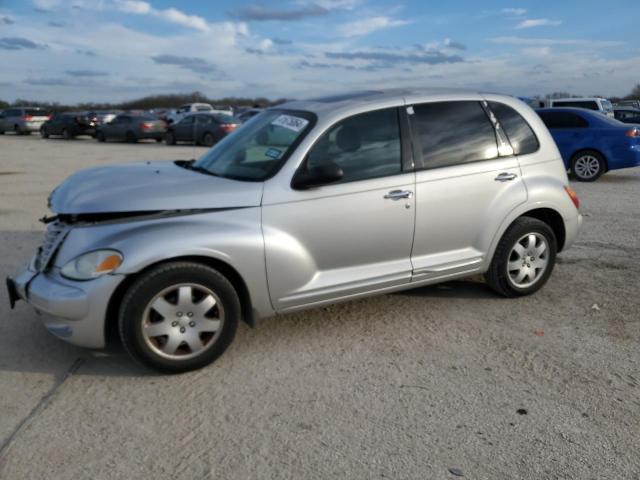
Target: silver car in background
{"type": "Point", "coordinates": [22, 120]}
{"type": "Point", "coordinates": [131, 128]}
{"type": "Point", "coordinates": [309, 203]}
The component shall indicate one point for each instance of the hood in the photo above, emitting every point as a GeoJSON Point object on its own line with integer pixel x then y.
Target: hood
{"type": "Point", "coordinates": [147, 187]}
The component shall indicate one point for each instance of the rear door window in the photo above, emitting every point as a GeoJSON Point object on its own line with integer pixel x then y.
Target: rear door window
{"type": "Point", "coordinates": [521, 136]}
{"type": "Point", "coordinates": [453, 133]}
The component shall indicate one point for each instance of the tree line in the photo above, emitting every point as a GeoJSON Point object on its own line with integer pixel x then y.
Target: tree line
{"type": "Point", "coordinates": [177, 99]}
{"type": "Point", "coordinates": [146, 103]}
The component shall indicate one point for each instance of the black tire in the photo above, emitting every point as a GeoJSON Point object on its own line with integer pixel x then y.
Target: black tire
{"type": "Point", "coordinates": [588, 166]}
{"type": "Point", "coordinates": [44, 133]}
{"type": "Point", "coordinates": [169, 138]}
{"type": "Point", "coordinates": [66, 134]}
{"type": "Point", "coordinates": [158, 140]}
{"type": "Point", "coordinates": [130, 137]}
{"type": "Point", "coordinates": [208, 139]}
{"type": "Point", "coordinates": [498, 276]}
{"type": "Point", "coordinates": [17, 130]}
{"type": "Point", "coordinates": [146, 288]}
{"type": "Point", "coordinates": [100, 136]}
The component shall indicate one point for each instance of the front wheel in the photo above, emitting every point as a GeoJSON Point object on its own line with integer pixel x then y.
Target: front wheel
{"type": "Point", "coordinates": [588, 166]}
{"type": "Point", "coordinates": [66, 134]}
{"type": "Point", "coordinates": [44, 133]}
{"type": "Point", "coordinates": [179, 316]}
{"type": "Point", "coordinates": [524, 258]}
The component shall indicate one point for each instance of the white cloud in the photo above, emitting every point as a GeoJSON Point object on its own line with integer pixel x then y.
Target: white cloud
{"type": "Point", "coordinates": [134, 6]}
{"type": "Point", "coordinates": [514, 11]}
{"type": "Point", "coordinates": [557, 41]}
{"type": "Point", "coordinates": [368, 25]}
{"type": "Point", "coordinates": [173, 15]}
{"type": "Point", "coordinates": [538, 22]}
{"type": "Point", "coordinates": [338, 4]}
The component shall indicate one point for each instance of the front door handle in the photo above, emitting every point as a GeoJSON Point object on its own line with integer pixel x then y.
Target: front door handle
{"type": "Point", "coordinates": [399, 194]}
{"type": "Point", "coordinates": [505, 177]}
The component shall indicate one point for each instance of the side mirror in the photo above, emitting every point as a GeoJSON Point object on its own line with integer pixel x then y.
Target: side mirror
{"type": "Point", "coordinates": [318, 175]}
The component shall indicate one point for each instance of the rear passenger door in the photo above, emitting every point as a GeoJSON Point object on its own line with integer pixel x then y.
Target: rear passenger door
{"type": "Point", "coordinates": [467, 182]}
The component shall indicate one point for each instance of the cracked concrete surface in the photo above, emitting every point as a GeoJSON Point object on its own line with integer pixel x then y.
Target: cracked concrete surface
{"type": "Point", "coordinates": [410, 385]}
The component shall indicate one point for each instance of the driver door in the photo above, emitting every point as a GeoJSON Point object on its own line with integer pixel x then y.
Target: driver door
{"type": "Point", "coordinates": [344, 239]}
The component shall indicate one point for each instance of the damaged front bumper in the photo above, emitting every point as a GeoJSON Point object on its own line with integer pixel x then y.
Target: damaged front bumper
{"type": "Point", "coordinates": [72, 310]}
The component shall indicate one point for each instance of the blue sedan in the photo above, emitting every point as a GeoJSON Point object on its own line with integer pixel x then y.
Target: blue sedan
{"type": "Point", "coordinates": [591, 143]}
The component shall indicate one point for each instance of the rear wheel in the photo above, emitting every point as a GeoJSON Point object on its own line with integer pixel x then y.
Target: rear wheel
{"type": "Point", "coordinates": [588, 166]}
{"type": "Point", "coordinates": [66, 134]}
{"type": "Point", "coordinates": [44, 133]}
{"type": "Point", "coordinates": [524, 258]}
{"type": "Point", "coordinates": [170, 138]}
{"type": "Point", "coordinates": [208, 139]}
{"type": "Point", "coordinates": [179, 316]}
{"type": "Point", "coordinates": [130, 137]}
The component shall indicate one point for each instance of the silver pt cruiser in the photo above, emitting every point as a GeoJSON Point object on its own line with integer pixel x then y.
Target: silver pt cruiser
{"type": "Point", "coordinates": [309, 203]}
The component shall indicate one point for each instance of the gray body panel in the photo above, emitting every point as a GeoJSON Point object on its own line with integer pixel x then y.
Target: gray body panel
{"type": "Point", "coordinates": [150, 186]}
{"type": "Point", "coordinates": [295, 249]}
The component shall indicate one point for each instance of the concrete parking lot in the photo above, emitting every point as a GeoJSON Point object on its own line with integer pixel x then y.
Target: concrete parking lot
{"type": "Point", "coordinates": [424, 384]}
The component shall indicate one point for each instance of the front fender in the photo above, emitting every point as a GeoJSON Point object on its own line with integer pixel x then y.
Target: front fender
{"type": "Point", "coordinates": [232, 236]}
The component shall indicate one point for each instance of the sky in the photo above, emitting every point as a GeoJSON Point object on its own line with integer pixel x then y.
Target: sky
{"type": "Point", "coordinates": [114, 50]}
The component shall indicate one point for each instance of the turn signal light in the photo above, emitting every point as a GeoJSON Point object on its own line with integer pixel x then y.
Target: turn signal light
{"type": "Point", "coordinates": [108, 264]}
{"type": "Point", "coordinates": [573, 196]}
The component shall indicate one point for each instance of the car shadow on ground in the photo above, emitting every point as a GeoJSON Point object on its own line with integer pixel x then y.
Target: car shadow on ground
{"type": "Point", "coordinates": [26, 346]}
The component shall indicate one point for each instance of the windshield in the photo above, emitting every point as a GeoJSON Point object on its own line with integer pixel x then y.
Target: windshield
{"type": "Point", "coordinates": [256, 151]}
{"type": "Point", "coordinates": [606, 105]}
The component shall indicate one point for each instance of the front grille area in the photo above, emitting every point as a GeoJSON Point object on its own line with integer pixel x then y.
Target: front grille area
{"type": "Point", "coordinates": [56, 231]}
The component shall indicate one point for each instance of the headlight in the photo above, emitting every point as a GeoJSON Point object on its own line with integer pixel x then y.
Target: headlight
{"type": "Point", "coordinates": [92, 265]}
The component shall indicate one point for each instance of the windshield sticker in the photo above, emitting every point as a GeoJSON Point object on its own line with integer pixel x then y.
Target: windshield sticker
{"type": "Point", "coordinates": [292, 123]}
{"type": "Point", "coordinates": [273, 153]}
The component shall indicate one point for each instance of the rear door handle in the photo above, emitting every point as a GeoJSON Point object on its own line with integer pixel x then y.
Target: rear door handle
{"type": "Point", "coordinates": [505, 177]}
{"type": "Point", "coordinates": [398, 194]}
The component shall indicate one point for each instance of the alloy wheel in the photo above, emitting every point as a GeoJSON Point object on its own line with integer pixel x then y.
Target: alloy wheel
{"type": "Point", "coordinates": [183, 321]}
{"type": "Point", "coordinates": [587, 166]}
{"type": "Point", "coordinates": [528, 260]}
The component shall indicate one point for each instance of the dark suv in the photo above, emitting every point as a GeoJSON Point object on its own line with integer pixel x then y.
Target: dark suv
{"type": "Point", "coordinates": [69, 125]}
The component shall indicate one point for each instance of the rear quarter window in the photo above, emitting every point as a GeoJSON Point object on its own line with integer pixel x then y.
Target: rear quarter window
{"type": "Point", "coordinates": [521, 136]}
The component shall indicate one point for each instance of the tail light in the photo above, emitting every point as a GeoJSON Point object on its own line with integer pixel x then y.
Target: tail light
{"type": "Point", "coordinates": [228, 127]}
{"type": "Point", "coordinates": [633, 133]}
{"type": "Point", "coordinates": [146, 125]}
{"type": "Point", "coordinates": [27, 118]}
{"type": "Point", "coordinates": [573, 196]}
{"type": "Point", "coordinates": [50, 116]}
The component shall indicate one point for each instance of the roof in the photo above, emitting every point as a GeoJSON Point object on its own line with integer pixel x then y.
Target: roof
{"type": "Point", "coordinates": [366, 97]}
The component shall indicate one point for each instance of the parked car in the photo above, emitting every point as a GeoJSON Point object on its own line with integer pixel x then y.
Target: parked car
{"type": "Point", "coordinates": [68, 125]}
{"type": "Point", "coordinates": [628, 103]}
{"type": "Point", "coordinates": [590, 143]}
{"type": "Point", "coordinates": [627, 115]}
{"type": "Point", "coordinates": [311, 203]}
{"type": "Point", "coordinates": [100, 117]}
{"type": "Point", "coordinates": [201, 128]}
{"type": "Point", "coordinates": [183, 110]}
{"type": "Point", "coordinates": [22, 120]}
{"type": "Point", "coordinates": [248, 114]}
{"type": "Point", "coordinates": [597, 104]}
{"type": "Point", "coordinates": [132, 128]}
